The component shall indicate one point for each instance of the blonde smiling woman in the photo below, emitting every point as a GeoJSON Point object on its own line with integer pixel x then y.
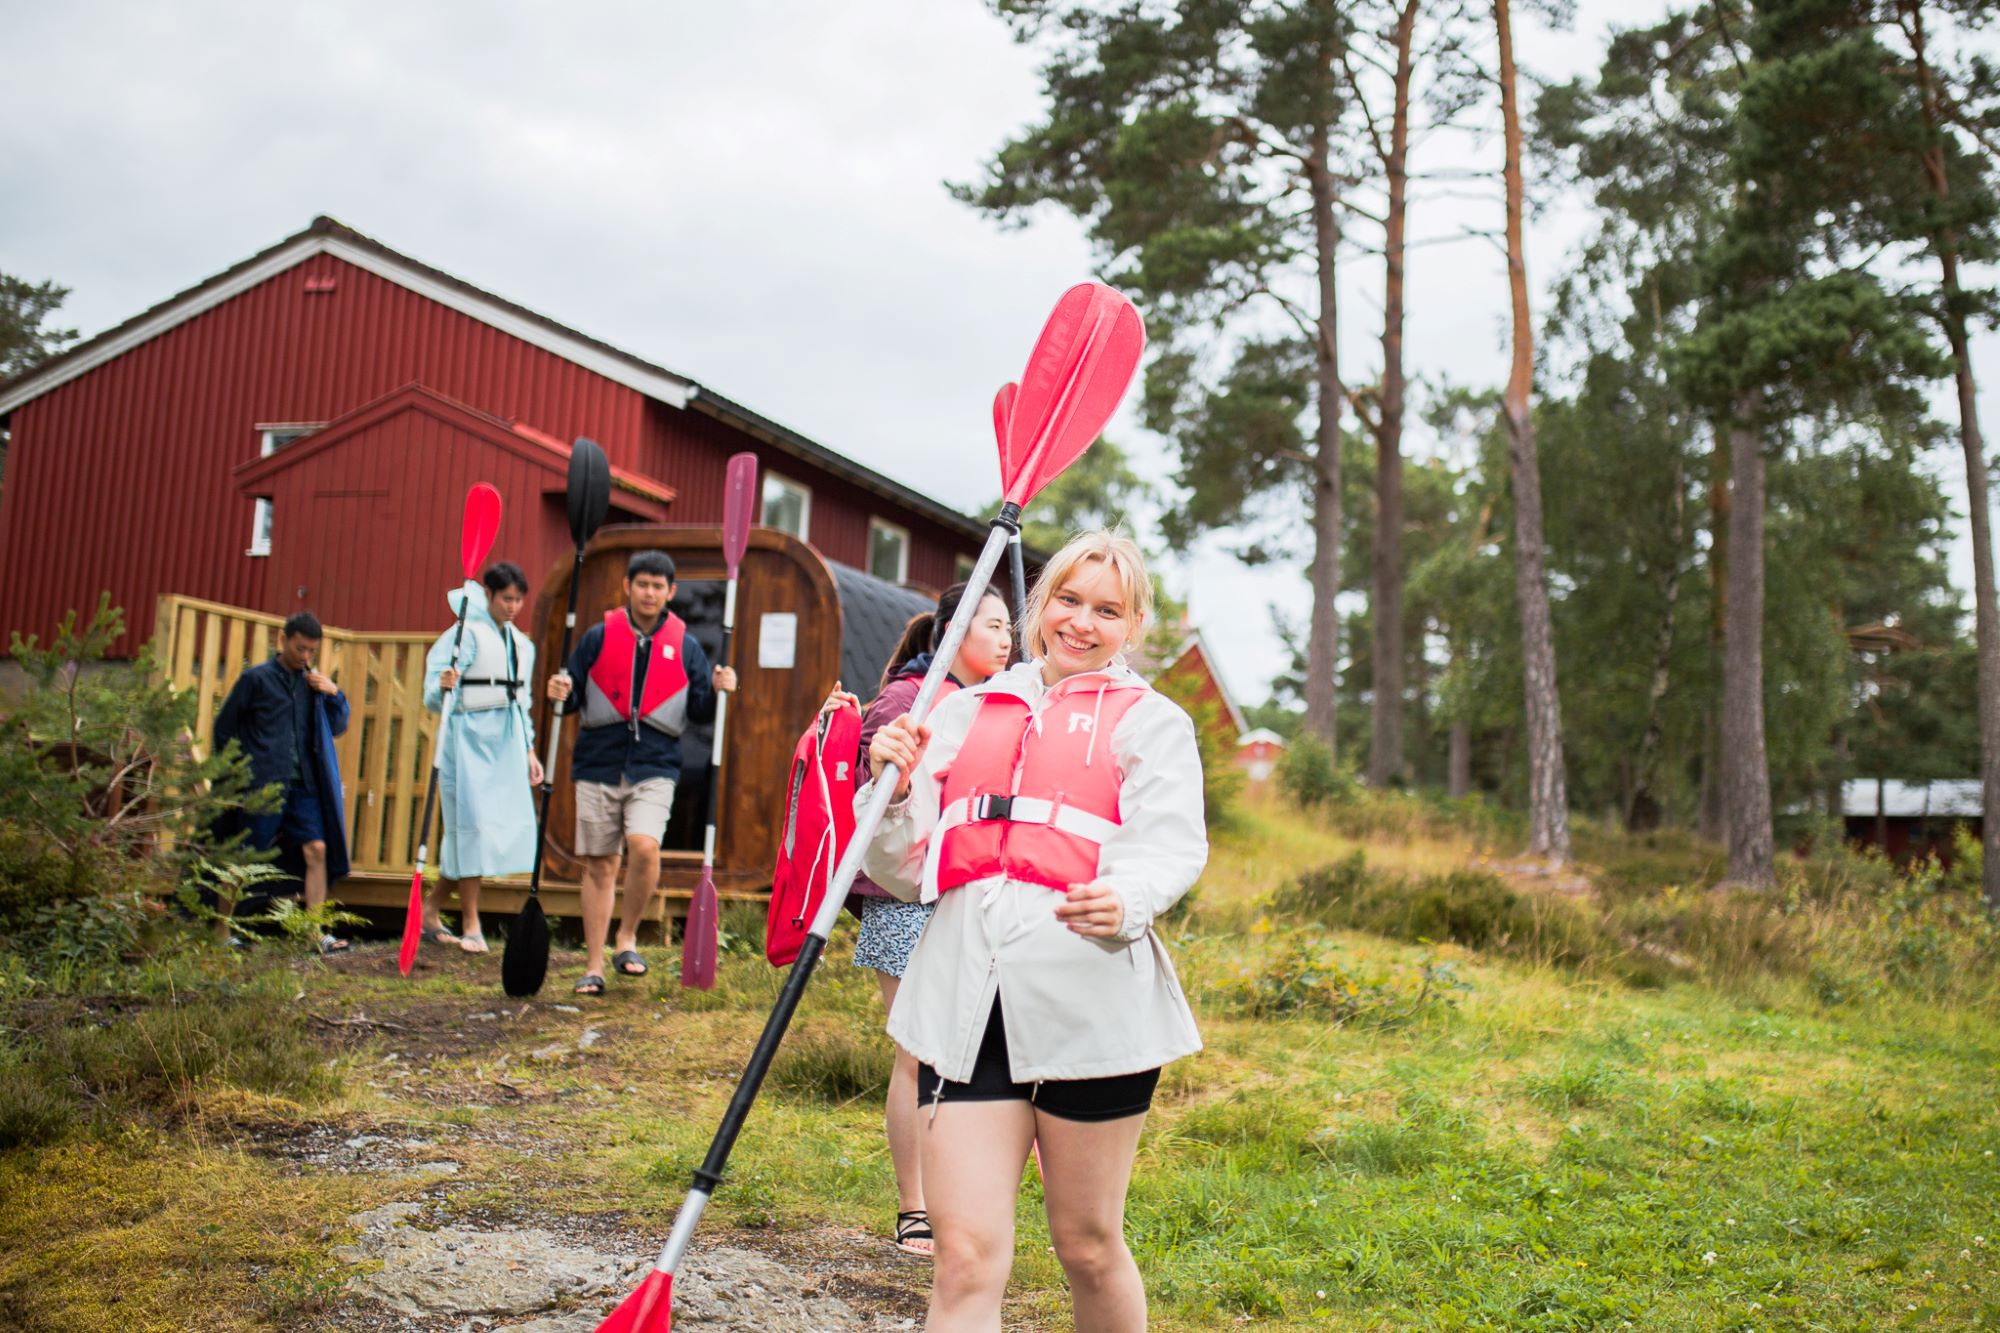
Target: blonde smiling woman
{"type": "Point", "coordinates": [1051, 813]}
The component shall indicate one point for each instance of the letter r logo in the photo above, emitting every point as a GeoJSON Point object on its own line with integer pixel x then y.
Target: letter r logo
{"type": "Point", "coordinates": [840, 771]}
{"type": "Point", "coordinates": [1078, 722]}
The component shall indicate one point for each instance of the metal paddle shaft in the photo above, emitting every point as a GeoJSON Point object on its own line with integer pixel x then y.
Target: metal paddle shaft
{"type": "Point", "coordinates": [709, 1174]}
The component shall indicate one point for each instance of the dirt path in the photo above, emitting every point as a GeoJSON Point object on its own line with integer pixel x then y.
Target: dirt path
{"type": "Point", "coordinates": [468, 1107]}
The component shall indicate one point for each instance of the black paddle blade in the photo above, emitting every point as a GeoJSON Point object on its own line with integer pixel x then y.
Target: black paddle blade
{"type": "Point", "coordinates": [589, 489]}
{"type": "Point", "coordinates": [524, 966]}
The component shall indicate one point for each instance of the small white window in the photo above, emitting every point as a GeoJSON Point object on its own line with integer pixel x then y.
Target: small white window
{"type": "Point", "coordinates": [787, 505]}
{"type": "Point", "coordinates": [888, 551]}
{"type": "Point", "coordinates": [274, 439]}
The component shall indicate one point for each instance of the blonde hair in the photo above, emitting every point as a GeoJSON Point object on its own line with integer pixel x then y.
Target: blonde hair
{"type": "Point", "coordinates": [1100, 547]}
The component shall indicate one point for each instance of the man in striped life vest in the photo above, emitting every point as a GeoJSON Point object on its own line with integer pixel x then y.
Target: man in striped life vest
{"type": "Point", "coordinates": [645, 678]}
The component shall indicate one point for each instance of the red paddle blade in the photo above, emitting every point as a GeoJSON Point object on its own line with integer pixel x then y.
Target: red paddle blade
{"type": "Point", "coordinates": [650, 1309]}
{"type": "Point", "coordinates": [482, 525]}
{"type": "Point", "coordinates": [1003, 413]}
{"type": "Point", "coordinates": [1080, 369]}
{"type": "Point", "coordinates": [700, 944]}
{"type": "Point", "coordinates": [739, 505]}
{"type": "Point", "coordinates": [413, 924]}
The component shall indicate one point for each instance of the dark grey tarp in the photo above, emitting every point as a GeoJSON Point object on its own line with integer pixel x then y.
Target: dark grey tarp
{"type": "Point", "coordinates": [872, 616]}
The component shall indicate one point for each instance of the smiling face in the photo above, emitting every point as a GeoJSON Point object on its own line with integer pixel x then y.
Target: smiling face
{"type": "Point", "coordinates": [987, 643]}
{"type": "Point", "coordinates": [1088, 619]}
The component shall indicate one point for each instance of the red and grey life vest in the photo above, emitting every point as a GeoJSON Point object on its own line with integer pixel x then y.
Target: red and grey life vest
{"type": "Point", "coordinates": [1032, 793]}
{"type": "Point", "coordinates": [607, 699]}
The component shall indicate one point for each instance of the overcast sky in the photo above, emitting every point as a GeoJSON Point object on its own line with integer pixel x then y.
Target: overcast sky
{"type": "Point", "coordinates": [750, 194]}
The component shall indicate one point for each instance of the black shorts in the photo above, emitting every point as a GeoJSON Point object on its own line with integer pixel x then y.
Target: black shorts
{"type": "Point", "coordinates": [1111, 1098]}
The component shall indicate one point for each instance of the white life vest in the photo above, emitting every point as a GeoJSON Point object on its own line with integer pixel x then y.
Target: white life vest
{"type": "Point", "coordinates": [489, 668]}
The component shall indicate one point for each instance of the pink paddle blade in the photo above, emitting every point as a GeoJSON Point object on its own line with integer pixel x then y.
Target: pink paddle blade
{"type": "Point", "coordinates": [413, 924]}
{"type": "Point", "coordinates": [482, 525]}
{"type": "Point", "coordinates": [649, 1309]}
{"type": "Point", "coordinates": [1079, 371]}
{"type": "Point", "coordinates": [739, 508]}
{"type": "Point", "coordinates": [702, 940]}
{"type": "Point", "coordinates": [1003, 413]}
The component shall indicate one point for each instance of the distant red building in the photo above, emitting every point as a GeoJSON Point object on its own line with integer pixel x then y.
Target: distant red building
{"type": "Point", "coordinates": [299, 431]}
{"type": "Point", "coordinates": [1190, 674]}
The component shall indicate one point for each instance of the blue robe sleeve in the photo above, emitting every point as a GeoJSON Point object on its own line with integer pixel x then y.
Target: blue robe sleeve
{"type": "Point", "coordinates": [336, 712]}
{"type": "Point", "coordinates": [435, 661]}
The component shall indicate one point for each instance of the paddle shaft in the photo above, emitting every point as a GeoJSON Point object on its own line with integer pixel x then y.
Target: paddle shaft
{"type": "Point", "coordinates": [721, 712]}
{"type": "Point", "coordinates": [709, 1174]}
{"type": "Point", "coordinates": [552, 725]}
{"type": "Point", "coordinates": [1018, 568]}
{"type": "Point", "coordinates": [437, 749]}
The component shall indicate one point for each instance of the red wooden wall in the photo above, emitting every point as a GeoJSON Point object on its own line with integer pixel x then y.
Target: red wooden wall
{"type": "Point", "coordinates": [121, 479]}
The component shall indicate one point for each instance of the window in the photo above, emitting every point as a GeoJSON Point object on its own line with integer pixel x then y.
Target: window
{"type": "Point", "coordinates": [888, 551]}
{"type": "Point", "coordinates": [961, 569]}
{"type": "Point", "coordinates": [787, 505]}
{"type": "Point", "coordinates": [274, 439]}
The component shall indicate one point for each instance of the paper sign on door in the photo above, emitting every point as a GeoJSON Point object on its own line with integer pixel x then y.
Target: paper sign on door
{"type": "Point", "coordinates": [778, 640]}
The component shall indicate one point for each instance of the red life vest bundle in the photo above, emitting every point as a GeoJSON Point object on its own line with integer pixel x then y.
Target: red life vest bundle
{"type": "Point", "coordinates": [819, 823]}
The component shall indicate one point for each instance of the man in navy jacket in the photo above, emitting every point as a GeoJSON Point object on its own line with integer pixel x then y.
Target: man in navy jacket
{"type": "Point", "coordinates": [283, 714]}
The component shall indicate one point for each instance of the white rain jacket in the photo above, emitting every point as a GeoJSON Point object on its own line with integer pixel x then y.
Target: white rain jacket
{"type": "Point", "coordinates": [1076, 1006]}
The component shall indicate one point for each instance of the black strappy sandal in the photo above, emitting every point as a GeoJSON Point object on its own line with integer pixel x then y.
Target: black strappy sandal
{"type": "Point", "coordinates": [913, 1233]}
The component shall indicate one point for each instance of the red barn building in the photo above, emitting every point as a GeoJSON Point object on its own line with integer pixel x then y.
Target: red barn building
{"type": "Point", "coordinates": [1189, 674]}
{"type": "Point", "coordinates": [300, 430]}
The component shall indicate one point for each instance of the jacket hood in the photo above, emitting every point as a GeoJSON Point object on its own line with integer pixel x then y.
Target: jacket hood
{"type": "Point", "coordinates": [470, 595]}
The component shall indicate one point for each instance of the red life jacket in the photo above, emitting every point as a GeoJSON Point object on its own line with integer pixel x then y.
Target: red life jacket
{"type": "Point", "coordinates": [607, 697]}
{"type": "Point", "coordinates": [819, 823]}
{"type": "Point", "coordinates": [1033, 793]}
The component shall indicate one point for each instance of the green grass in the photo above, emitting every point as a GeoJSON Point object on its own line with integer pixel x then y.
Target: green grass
{"type": "Point", "coordinates": [1797, 1135]}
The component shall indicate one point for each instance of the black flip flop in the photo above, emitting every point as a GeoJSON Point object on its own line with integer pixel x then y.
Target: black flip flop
{"type": "Point", "coordinates": [590, 985]}
{"type": "Point", "coordinates": [629, 963]}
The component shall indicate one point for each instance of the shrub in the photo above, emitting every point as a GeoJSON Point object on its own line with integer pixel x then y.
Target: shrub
{"type": "Point", "coordinates": [1303, 975]}
{"type": "Point", "coordinates": [1221, 779]}
{"type": "Point", "coordinates": [104, 808]}
{"type": "Point", "coordinates": [1311, 778]}
{"type": "Point", "coordinates": [1467, 907]}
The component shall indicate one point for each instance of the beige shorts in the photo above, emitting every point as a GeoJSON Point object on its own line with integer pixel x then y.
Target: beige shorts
{"type": "Point", "coordinates": [607, 813]}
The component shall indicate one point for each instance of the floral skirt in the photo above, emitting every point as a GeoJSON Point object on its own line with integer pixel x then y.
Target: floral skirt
{"type": "Point", "coordinates": [889, 930]}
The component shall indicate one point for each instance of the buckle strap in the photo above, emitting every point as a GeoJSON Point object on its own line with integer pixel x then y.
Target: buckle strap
{"type": "Point", "coordinates": [987, 806]}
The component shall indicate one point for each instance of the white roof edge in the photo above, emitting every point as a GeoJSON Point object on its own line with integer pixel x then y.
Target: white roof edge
{"type": "Point", "coordinates": [669, 389]}
{"type": "Point", "coordinates": [1195, 636]}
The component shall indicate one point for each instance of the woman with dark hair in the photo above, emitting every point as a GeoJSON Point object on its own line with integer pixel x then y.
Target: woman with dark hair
{"type": "Point", "coordinates": [889, 929]}
{"type": "Point", "coordinates": [487, 769]}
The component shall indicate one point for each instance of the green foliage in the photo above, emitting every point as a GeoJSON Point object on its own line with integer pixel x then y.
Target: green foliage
{"type": "Point", "coordinates": [1221, 779]}
{"type": "Point", "coordinates": [1299, 974]}
{"type": "Point", "coordinates": [26, 340]}
{"type": "Point", "coordinates": [1310, 776]}
{"type": "Point", "coordinates": [105, 812]}
{"type": "Point", "coordinates": [110, 1062]}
